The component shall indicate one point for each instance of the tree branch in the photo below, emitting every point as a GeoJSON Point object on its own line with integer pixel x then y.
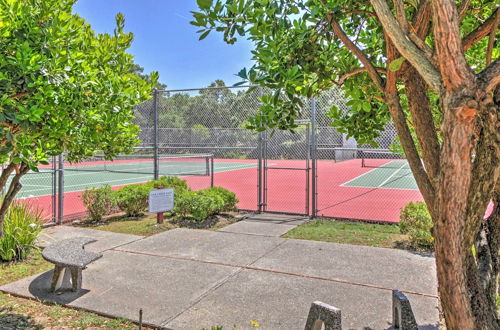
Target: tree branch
{"type": "Point", "coordinates": [423, 122]}
{"type": "Point", "coordinates": [400, 14]}
{"type": "Point", "coordinates": [370, 68]}
{"type": "Point", "coordinates": [462, 10]}
{"type": "Point", "coordinates": [491, 41]}
{"type": "Point", "coordinates": [398, 117]}
{"type": "Point", "coordinates": [422, 19]}
{"type": "Point", "coordinates": [480, 32]}
{"type": "Point", "coordinates": [14, 187]}
{"type": "Point", "coordinates": [489, 78]}
{"type": "Point", "coordinates": [405, 46]}
{"type": "Point", "coordinates": [6, 172]}
{"type": "Point", "coordinates": [454, 69]}
{"type": "Point", "coordinates": [355, 72]}
{"type": "Point", "coordinates": [371, 13]}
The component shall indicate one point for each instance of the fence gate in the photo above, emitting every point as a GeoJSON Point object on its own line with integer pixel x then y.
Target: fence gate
{"type": "Point", "coordinates": [286, 174]}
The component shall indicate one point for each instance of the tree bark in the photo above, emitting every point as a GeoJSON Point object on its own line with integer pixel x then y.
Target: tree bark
{"type": "Point", "coordinates": [452, 194]}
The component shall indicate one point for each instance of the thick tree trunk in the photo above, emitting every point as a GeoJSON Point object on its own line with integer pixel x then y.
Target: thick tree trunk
{"type": "Point", "coordinates": [449, 226]}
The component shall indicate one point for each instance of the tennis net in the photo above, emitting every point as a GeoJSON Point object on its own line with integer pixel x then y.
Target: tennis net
{"type": "Point", "coordinates": [178, 165]}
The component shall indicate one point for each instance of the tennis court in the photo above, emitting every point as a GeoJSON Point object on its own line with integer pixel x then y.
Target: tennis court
{"type": "Point", "coordinates": [392, 175]}
{"type": "Point", "coordinates": [345, 189]}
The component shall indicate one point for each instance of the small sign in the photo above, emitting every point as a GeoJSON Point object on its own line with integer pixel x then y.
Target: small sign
{"type": "Point", "coordinates": [161, 200]}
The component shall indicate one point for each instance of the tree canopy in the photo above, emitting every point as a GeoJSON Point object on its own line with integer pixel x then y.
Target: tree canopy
{"type": "Point", "coordinates": [63, 88]}
{"type": "Point", "coordinates": [431, 66]}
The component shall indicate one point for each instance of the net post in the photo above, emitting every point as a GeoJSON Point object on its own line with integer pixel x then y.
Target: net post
{"type": "Point", "coordinates": [156, 164]}
{"type": "Point", "coordinates": [60, 190]}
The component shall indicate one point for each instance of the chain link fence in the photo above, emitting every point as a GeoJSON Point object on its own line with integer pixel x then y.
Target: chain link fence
{"type": "Point", "coordinates": [200, 135]}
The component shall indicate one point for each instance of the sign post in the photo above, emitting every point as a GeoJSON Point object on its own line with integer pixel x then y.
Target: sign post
{"type": "Point", "coordinates": [161, 200]}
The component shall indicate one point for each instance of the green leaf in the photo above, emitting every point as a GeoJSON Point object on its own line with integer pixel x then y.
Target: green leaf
{"type": "Point", "coordinates": [396, 64]}
{"type": "Point", "coordinates": [204, 4]}
{"type": "Point", "coordinates": [204, 35]}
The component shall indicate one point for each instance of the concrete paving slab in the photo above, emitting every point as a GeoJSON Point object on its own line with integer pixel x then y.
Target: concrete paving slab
{"type": "Point", "coordinates": [390, 268]}
{"type": "Point", "coordinates": [105, 240]}
{"type": "Point", "coordinates": [278, 301]}
{"type": "Point", "coordinates": [283, 219]}
{"type": "Point", "coordinates": [228, 248]}
{"type": "Point", "coordinates": [119, 284]}
{"type": "Point", "coordinates": [258, 228]}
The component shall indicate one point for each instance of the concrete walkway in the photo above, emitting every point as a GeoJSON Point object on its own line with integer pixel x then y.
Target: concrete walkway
{"type": "Point", "coordinates": [273, 225]}
{"type": "Point", "coordinates": [194, 279]}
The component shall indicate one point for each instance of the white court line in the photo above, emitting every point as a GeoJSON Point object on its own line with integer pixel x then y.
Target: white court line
{"type": "Point", "coordinates": [393, 174]}
{"type": "Point", "coordinates": [366, 173]}
{"type": "Point", "coordinates": [86, 185]}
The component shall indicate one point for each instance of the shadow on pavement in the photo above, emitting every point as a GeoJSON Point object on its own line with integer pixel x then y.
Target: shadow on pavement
{"type": "Point", "coordinates": [40, 288]}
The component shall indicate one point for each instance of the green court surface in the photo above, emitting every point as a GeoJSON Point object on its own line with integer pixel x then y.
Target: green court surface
{"type": "Point", "coordinates": [393, 175]}
{"type": "Point", "coordinates": [39, 184]}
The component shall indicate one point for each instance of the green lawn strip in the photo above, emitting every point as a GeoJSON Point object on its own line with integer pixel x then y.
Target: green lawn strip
{"type": "Point", "coordinates": [20, 313]}
{"type": "Point", "coordinates": [356, 233]}
{"type": "Point", "coordinates": [146, 225]}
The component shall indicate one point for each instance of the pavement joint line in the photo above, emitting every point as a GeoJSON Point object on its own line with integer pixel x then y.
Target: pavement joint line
{"type": "Point", "coordinates": [221, 283]}
{"type": "Point", "coordinates": [248, 234]}
{"type": "Point", "coordinates": [314, 277]}
{"type": "Point", "coordinates": [120, 245]}
{"type": "Point", "coordinates": [195, 302]}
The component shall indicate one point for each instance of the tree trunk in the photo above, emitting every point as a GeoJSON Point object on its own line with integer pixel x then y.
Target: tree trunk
{"type": "Point", "coordinates": [14, 187]}
{"type": "Point", "coordinates": [450, 222]}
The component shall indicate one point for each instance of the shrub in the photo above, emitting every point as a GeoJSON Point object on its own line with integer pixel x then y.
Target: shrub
{"type": "Point", "coordinates": [169, 182]}
{"type": "Point", "coordinates": [417, 223]}
{"type": "Point", "coordinates": [21, 228]}
{"type": "Point", "coordinates": [133, 199]}
{"type": "Point", "coordinates": [199, 204]}
{"type": "Point", "coordinates": [229, 198]}
{"type": "Point", "coordinates": [99, 202]}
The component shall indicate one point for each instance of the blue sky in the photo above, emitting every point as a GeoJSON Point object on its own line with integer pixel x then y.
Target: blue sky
{"type": "Point", "coordinates": [164, 41]}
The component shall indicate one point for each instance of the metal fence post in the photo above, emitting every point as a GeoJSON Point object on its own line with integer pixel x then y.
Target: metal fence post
{"type": "Point", "coordinates": [260, 146]}
{"type": "Point", "coordinates": [54, 189]}
{"type": "Point", "coordinates": [60, 190]}
{"type": "Point", "coordinates": [156, 164]}
{"type": "Point", "coordinates": [314, 159]}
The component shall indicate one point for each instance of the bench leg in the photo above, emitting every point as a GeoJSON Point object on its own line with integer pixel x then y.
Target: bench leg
{"type": "Point", "coordinates": [56, 276]}
{"type": "Point", "coordinates": [76, 278]}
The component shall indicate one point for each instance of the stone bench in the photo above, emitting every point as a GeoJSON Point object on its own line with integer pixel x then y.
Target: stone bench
{"type": "Point", "coordinates": [69, 255]}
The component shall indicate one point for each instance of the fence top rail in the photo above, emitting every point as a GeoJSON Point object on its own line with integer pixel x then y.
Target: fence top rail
{"type": "Point", "coordinates": [201, 88]}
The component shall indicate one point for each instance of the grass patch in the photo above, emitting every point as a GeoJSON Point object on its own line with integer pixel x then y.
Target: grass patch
{"type": "Point", "coordinates": [20, 313]}
{"type": "Point", "coordinates": [146, 225]}
{"type": "Point", "coordinates": [345, 232]}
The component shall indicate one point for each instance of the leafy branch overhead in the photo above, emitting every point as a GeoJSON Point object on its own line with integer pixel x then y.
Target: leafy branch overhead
{"type": "Point", "coordinates": [304, 47]}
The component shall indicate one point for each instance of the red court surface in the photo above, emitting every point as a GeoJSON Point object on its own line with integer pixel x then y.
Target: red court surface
{"type": "Point", "coordinates": [286, 191]}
